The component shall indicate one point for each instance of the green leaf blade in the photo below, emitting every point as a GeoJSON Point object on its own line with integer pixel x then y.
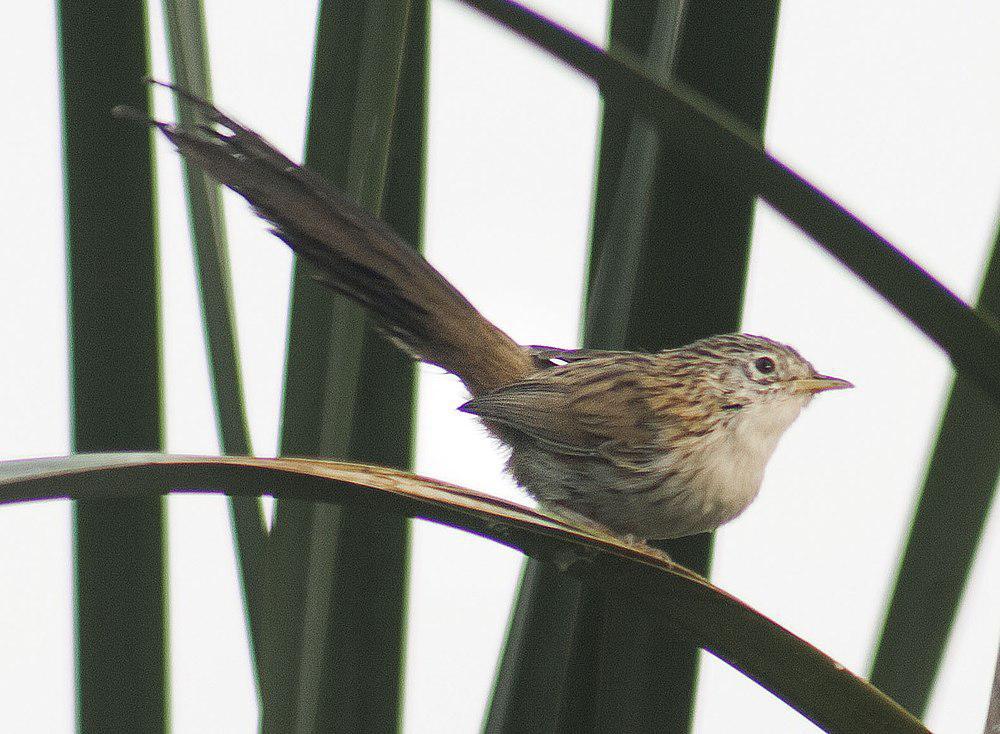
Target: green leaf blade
{"type": "Point", "coordinates": [338, 576]}
{"type": "Point", "coordinates": [188, 51]}
{"type": "Point", "coordinates": [947, 528]}
{"type": "Point", "coordinates": [114, 365]}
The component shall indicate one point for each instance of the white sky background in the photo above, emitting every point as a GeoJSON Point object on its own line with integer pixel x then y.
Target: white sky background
{"type": "Point", "coordinates": [891, 107]}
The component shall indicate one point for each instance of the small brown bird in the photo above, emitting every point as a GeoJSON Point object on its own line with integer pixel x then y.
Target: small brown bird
{"type": "Point", "coordinates": [647, 446]}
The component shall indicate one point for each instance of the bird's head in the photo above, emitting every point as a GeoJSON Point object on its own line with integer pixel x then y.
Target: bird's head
{"type": "Point", "coordinates": [756, 369]}
{"type": "Point", "coordinates": [749, 383]}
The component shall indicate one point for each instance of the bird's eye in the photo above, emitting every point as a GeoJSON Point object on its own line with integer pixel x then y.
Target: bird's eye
{"type": "Point", "coordinates": [764, 365]}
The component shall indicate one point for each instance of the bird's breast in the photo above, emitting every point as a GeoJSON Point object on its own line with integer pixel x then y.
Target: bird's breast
{"type": "Point", "coordinates": [733, 461]}
{"type": "Point", "coordinates": [730, 479]}
{"type": "Point", "coordinates": [687, 487]}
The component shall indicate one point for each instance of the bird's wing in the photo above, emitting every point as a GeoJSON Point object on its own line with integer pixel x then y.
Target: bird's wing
{"type": "Point", "coordinates": [592, 407]}
{"type": "Point", "coordinates": [562, 354]}
{"type": "Point", "coordinates": [550, 356]}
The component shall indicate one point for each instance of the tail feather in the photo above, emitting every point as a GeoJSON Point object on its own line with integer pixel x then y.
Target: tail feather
{"type": "Point", "coordinates": [356, 254]}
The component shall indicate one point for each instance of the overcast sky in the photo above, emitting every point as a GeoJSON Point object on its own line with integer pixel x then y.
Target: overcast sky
{"type": "Point", "coordinates": [890, 107]}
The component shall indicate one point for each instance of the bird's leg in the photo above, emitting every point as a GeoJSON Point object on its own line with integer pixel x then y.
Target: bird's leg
{"type": "Point", "coordinates": [641, 544]}
{"type": "Point", "coordinates": [578, 520]}
{"type": "Point", "coordinates": [592, 527]}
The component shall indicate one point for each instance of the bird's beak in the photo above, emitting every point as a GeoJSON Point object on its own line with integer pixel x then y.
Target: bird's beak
{"type": "Point", "coordinates": [819, 383]}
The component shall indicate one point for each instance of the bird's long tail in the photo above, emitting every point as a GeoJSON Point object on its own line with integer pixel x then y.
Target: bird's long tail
{"type": "Point", "coordinates": [355, 253]}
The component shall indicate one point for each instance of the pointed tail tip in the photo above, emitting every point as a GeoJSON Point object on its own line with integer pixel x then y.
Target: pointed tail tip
{"type": "Point", "coordinates": [125, 112]}
{"type": "Point", "coordinates": [153, 81]}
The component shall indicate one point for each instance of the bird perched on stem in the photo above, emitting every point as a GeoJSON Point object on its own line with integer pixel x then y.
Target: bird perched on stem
{"type": "Point", "coordinates": [646, 446]}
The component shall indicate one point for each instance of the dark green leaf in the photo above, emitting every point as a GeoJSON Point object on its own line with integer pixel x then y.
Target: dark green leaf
{"type": "Point", "coordinates": [338, 577]}
{"type": "Point", "coordinates": [947, 527]}
{"type": "Point", "coordinates": [189, 58]}
{"type": "Point", "coordinates": [114, 364]}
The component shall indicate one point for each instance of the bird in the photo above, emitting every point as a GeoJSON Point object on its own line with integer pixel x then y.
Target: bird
{"type": "Point", "coordinates": [637, 446]}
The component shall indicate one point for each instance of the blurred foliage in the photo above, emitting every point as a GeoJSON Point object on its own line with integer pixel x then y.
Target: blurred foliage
{"type": "Point", "coordinates": [336, 576]}
{"type": "Point", "coordinates": [947, 528]}
{"type": "Point", "coordinates": [188, 51]}
{"type": "Point", "coordinates": [114, 365]}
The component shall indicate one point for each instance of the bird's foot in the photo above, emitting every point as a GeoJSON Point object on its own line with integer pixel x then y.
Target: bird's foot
{"type": "Point", "coordinates": [592, 527]}
{"type": "Point", "coordinates": [642, 545]}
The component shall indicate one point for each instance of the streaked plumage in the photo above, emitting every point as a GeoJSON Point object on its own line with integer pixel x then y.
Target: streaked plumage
{"type": "Point", "coordinates": [652, 445]}
{"type": "Point", "coordinates": [646, 445]}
